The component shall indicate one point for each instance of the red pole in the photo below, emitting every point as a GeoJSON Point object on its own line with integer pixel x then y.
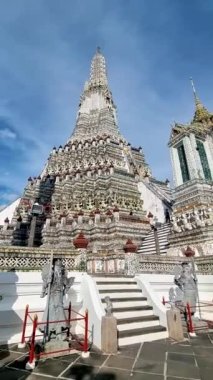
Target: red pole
{"type": "Point", "coordinates": [163, 301]}
{"type": "Point", "coordinates": [32, 345]}
{"type": "Point", "coordinates": [86, 332]}
{"type": "Point", "coordinates": [24, 324]}
{"type": "Point", "coordinates": [190, 324]}
{"type": "Point", "coordinates": [69, 317]}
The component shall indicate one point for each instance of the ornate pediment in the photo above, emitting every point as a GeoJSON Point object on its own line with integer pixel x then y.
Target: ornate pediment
{"type": "Point", "coordinates": [177, 131]}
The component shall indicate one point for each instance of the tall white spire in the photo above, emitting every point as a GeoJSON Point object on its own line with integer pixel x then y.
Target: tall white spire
{"type": "Point", "coordinates": [97, 112]}
{"type": "Point", "coordinates": [98, 75]}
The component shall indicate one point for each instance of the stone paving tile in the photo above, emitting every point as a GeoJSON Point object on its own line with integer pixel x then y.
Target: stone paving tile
{"type": "Point", "coordinates": [67, 358]}
{"type": "Point", "coordinates": [181, 358]}
{"type": "Point", "coordinates": [203, 351]}
{"type": "Point", "coordinates": [95, 350]}
{"type": "Point", "coordinates": [129, 351]}
{"type": "Point", "coordinates": [181, 348]}
{"type": "Point", "coordinates": [204, 362]}
{"type": "Point", "coordinates": [19, 363]}
{"type": "Point", "coordinates": [79, 371]}
{"type": "Point", "coordinates": [201, 340]}
{"type": "Point", "coordinates": [179, 369]}
{"type": "Point", "coordinates": [115, 374]}
{"type": "Point", "coordinates": [176, 378]}
{"type": "Point", "coordinates": [50, 367]}
{"type": "Point", "coordinates": [149, 366]}
{"type": "Point", "coordinates": [206, 373]}
{"type": "Point", "coordinates": [115, 361]}
{"type": "Point", "coordinates": [162, 341]}
{"type": "Point", "coordinates": [10, 374]}
{"type": "Point", "coordinates": [6, 357]}
{"type": "Point", "coordinates": [94, 359]}
{"type": "Point", "coordinates": [39, 377]}
{"type": "Point", "coordinates": [155, 352]}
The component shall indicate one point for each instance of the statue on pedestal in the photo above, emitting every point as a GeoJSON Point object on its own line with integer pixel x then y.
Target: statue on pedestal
{"type": "Point", "coordinates": [187, 283]}
{"type": "Point", "coordinates": [55, 285]}
{"type": "Point", "coordinates": [109, 306]}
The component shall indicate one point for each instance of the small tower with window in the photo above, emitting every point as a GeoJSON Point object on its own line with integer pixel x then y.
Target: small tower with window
{"type": "Point", "coordinates": [191, 148]}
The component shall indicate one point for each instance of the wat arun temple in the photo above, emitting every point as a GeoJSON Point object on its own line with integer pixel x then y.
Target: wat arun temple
{"type": "Point", "coordinates": [97, 191]}
{"type": "Point", "coordinates": [130, 242]}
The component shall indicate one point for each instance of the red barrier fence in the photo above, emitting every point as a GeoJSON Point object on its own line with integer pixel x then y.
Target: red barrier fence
{"type": "Point", "coordinates": [32, 338]}
{"type": "Point", "coordinates": [188, 310]}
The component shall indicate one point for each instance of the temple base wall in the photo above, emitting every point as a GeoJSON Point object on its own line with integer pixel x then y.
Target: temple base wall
{"type": "Point", "coordinates": [21, 288]}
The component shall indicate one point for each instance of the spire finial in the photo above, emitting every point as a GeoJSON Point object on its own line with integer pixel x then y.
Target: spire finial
{"type": "Point", "coordinates": [193, 86]}
{"type": "Point", "coordinates": [197, 100]}
{"type": "Point", "coordinates": [200, 111]}
{"type": "Point", "coordinates": [98, 74]}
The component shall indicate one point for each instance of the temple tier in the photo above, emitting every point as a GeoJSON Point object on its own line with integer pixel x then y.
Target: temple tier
{"type": "Point", "coordinates": [90, 184]}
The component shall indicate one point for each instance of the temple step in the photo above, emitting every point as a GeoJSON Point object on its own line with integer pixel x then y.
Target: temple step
{"type": "Point", "coordinates": [148, 245]}
{"type": "Point", "coordinates": [136, 321]}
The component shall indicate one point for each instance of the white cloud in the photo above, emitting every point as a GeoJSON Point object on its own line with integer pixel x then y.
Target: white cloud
{"type": "Point", "coordinates": [7, 134]}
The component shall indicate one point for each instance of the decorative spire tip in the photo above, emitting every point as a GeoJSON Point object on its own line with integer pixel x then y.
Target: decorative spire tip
{"type": "Point", "coordinates": [193, 86]}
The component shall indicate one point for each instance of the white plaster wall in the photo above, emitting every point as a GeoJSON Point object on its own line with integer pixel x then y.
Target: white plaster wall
{"type": "Point", "coordinates": [156, 286]}
{"type": "Point", "coordinates": [199, 168]}
{"type": "Point", "coordinates": [190, 158]}
{"type": "Point", "coordinates": [209, 140]}
{"type": "Point", "coordinates": [8, 211]}
{"type": "Point", "coordinates": [209, 153]}
{"type": "Point", "coordinates": [152, 298]}
{"type": "Point", "coordinates": [151, 202]}
{"type": "Point", "coordinates": [177, 176]}
{"type": "Point", "coordinates": [21, 288]}
{"type": "Point", "coordinates": [91, 300]}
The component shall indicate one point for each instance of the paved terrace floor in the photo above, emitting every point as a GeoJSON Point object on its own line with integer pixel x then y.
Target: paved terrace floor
{"type": "Point", "coordinates": [161, 360]}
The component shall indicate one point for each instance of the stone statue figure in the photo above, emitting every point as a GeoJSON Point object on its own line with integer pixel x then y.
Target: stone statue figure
{"type": "Point", "coordinates": [109, 306]}
{"type": "Point", "coordinates": [187, 283]}
{"type": "Point", "coordinates": [175, 296]}
{"type": "Point", "coordinates": [186, 225]}
{"type": "Point", "coordinates": [55, 286]}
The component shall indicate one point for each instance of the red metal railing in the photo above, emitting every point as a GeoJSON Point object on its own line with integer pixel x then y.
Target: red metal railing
{"type": "Point", "coordinates": [189, 319]}
{"type": "Point", "coordinates": [188, 310]}
{"type": "Point", "coordinates": [36, 324]}
{"type": "Point", "coordinates": [32, 344]}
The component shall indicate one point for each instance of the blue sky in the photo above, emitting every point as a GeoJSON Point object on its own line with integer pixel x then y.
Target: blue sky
{"type": "Point", "coordinates": [151, 48]}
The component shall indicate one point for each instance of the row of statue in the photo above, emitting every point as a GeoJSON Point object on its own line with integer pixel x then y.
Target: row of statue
{"type": "Point", "coordinates": [188, 221]}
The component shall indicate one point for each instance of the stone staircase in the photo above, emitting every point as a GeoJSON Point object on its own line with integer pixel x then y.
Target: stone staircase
{"type": "Point", "coordinates": [135, 319]}
{"type": "Point", "coordinates": [148, 246]}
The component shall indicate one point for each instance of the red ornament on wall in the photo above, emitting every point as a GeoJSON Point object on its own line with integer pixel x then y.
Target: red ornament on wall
{"type": "Point", "coordinates": [81, 241]}
{"type": "Point", "coordinates": [130, 246]}
{"type": "Point", "coordinates": [149, 215]}
{"type": "Point", "coordinates": [189, 252]}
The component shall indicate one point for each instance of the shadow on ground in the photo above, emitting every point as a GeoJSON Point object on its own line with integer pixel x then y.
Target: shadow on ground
{"type": "Point", "coordinates": [159, 360]}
